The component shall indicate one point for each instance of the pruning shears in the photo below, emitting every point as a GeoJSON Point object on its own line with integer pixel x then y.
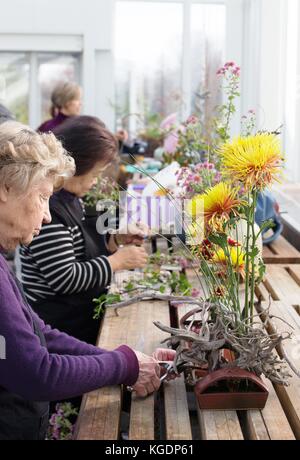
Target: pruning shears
{"type": "Point", "coordinates": [170, 369]}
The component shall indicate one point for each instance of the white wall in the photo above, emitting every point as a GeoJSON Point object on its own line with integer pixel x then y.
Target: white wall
{"type": "Point", "coordinates": [66, 25]}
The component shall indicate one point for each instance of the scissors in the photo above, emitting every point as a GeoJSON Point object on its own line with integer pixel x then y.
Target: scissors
{"type": "Point", "coordinates": [170, 369]}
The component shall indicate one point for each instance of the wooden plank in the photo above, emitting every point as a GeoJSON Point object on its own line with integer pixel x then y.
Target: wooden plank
{"type": "Point", "coordinates": [144, 336]}
{"type": "Point", "coordinates": [219, 425]}
{"type": "Point", "coordinates": [178, 425]}
{"type": "Point", "coordinates": [254, 425]}
{"type": "Point", "coordinates": [275, 420]}
{"type": "Point", "coordinates": [213, 424]}
{"type": "Point", "coordinates": [92, 422]}
{"type": "Point", "coordinates": [289, 396]}
{"type": "Point", "coordinates": [281, 251]}
{"type": "Point", "coordinates": [282, 283]}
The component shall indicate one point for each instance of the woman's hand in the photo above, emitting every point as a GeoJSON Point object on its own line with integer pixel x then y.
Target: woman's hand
{"type": "Point", "coordinates": [149, 372]}
{"type": "Point", "coordinates": [164, 354]}
{"type": "Point", "coordinates": [128, 258]}
{"type": "Point", "coordinates": [135, 234]}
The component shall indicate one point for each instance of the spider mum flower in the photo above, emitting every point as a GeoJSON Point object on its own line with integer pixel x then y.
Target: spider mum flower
{"type": "Point", "coordinates": [236, 257]}
{"type": "Point", "coordinates": [216, 205]}
{"type": "Point", "coordinates": [255, 161]}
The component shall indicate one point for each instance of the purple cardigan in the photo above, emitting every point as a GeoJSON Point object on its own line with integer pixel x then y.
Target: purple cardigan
{"type": "Point", "coordinates": [66, 368]}
{"type": "Point", "coordinates": [49, 125]}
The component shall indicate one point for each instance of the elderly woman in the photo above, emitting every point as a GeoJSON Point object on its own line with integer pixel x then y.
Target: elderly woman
{"type": "Point", "coordinates": [66, 103]}
{"type": "Point", "coordinates": [69, 264]}
{"type": "Point", "coordinates": [43, 364]}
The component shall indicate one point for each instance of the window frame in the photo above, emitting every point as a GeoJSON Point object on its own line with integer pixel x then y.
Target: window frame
{"type": "Point", "coordinates": [28, 43]}
{"type": "Point", "coordinates": [233, 48]}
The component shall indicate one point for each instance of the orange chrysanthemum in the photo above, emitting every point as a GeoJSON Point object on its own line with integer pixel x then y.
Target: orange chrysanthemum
{"type": "Point", "coordinates": [216, 205]}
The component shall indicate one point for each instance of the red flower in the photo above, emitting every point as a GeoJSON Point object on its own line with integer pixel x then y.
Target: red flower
{"type": "Point", "coordinates": [233, 243]}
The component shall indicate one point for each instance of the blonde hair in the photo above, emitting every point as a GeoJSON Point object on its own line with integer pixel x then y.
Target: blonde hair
{"type": "Point", "coordinates": [63, 93]}
{"type": "Point", "coordinates": [27, 157]}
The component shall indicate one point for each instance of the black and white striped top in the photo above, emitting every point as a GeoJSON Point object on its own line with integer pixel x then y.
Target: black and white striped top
{"type": "Point", "coordinates": [55, 264]}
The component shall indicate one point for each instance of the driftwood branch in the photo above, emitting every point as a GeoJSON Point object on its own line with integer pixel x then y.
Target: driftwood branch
{"type": "Point", "coordinates": [153, 295]}
{"type": "Point", "coordinates": [252, 345]}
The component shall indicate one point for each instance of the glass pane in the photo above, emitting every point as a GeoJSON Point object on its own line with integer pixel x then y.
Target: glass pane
{"type": "Point", "coordinates": [53, 68]}
{"type": "Point", "coordinates": [14, 75]}
{"type": "Point", "coordinates": [148, 62]}
{"type": "Point", "coordinates": [208, 29]}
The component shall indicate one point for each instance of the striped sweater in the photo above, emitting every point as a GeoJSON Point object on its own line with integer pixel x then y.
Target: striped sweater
{"type": "Point", "coordinates": [55, 263]}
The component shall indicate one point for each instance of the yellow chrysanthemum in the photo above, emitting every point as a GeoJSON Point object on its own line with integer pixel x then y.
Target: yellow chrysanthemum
{"type": "Point", "coordinates": [216, 205]}
{"type": "Point", "coordinates": [255, 160]}
{"type": "Point", "coordinates": [236, 256]}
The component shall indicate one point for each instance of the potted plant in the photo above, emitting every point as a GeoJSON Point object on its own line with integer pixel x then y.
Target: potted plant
{"type": "Point", "coordinates": [228, 319]}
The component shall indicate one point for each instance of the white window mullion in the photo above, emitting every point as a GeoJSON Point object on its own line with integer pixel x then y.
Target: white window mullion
{"type": "Point", "coordinates": [186, 86]}
{"type": "Point", "coordinates": [234, 47]}
{"type": "Point", "coordinates": [34, 106]}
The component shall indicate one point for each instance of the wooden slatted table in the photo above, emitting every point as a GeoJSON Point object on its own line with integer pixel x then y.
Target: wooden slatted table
{"type": "Point", "coordinates": [281, 252]}
{"type": "Point", "coordinates": [172, 413]}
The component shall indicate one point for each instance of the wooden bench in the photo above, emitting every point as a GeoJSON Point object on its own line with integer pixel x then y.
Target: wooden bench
{"type": "Point", "coordinates": [281, 252]}
{"type": "Point", "coordinates": [111, 413]}
{"type": "Point", "coordinates": [271, 423]}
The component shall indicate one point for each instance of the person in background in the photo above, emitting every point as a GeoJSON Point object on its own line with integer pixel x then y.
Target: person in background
{"type": "Point", "coordinates": [69, 263]}
{"type": "Point", "coordinates": [66, 102]}
{"type": "Point", "coordinates": [42, 364]}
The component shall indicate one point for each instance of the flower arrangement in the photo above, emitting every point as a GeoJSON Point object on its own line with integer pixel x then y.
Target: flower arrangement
{"type": "Point", "coordinates": [231, 267]}
{"type": "Point", "coordinates": [195, 179]}
{"type": "Point", "coordinates": [62, 423]}
{"type": "Point", "coordinates": [225, 244]}
{"type": "Point", "coordinates": [190, 142]}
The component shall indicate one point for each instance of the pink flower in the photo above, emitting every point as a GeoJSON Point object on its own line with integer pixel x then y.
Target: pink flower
{"type": "Point", "coordinates": [183, 262]}
{"type": "Point", "coordinates": [229, 64]}
{"type": "Point", "coordinates": [236, 71]}
{"type": "Point", "coordinates": [221, 71]}
{"type": "Point", "coordinates": [171, 142]}
{"type": "Point", "coordinates": [169, 122]}
{"type": "Point", "coordinates": [195, 292]}
{"type": "Point", "coordinates": [192, 120]}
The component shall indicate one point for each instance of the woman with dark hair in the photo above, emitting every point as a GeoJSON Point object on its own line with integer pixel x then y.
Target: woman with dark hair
{"type": "Point", "coordinates": [69, 264]}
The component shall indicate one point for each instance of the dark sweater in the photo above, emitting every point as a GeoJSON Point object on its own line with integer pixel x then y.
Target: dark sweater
{"type": "Point", "coordinates": [49, 125]}
{"type": "Point", "coordinates": [65, 268]}
{"type": "Point", "coordinates": [66, 368]}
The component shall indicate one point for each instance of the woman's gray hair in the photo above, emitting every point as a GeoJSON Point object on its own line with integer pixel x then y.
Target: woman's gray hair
{"type": "Point", "coordinates": [63, 93]}
{"type": "Point", "coordinates": [27, 157]}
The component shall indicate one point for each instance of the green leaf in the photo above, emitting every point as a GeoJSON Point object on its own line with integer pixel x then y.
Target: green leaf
{"type": "Point", "coordinates": [254, 252]}
{"type": "Point", "coordinates": [219, 239]}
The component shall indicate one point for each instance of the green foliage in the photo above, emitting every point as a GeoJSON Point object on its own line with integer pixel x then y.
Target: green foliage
{"type": "Point", "coordinates": [106, 189]}
{"type": "Point", "coordinates": [104, 299]}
